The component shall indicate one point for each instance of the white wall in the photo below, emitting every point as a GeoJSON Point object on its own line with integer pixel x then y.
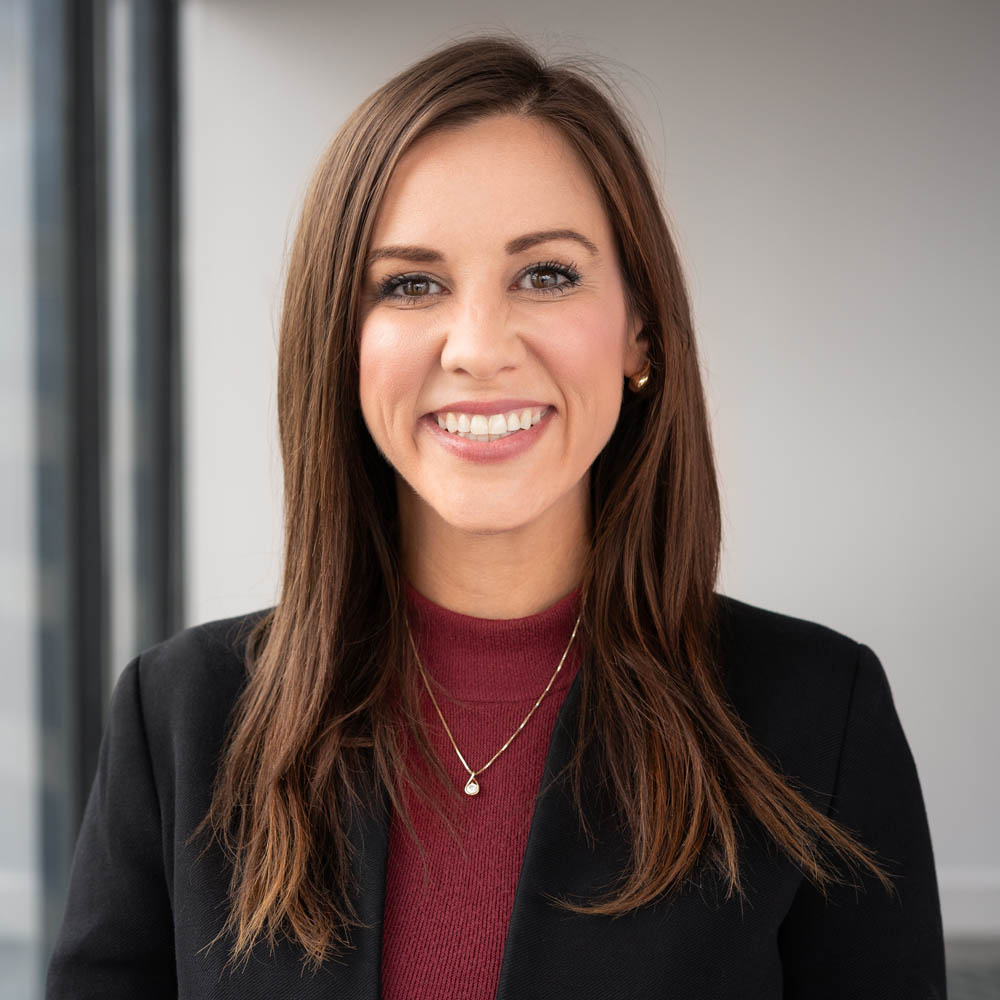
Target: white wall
{"type": "Point", "coordinates": [830, 173]}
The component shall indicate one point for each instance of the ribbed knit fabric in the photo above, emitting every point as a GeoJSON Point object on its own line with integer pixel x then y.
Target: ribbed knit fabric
{"type": "Point", "coordinates": [444, 933]}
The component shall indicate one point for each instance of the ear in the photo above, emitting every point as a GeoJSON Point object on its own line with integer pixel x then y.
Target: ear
{"type": "Point", "coordinates": [636, 347]}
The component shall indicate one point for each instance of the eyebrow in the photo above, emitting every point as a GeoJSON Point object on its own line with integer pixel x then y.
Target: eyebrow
{"type": "Point", "coordinates": [425, 255]}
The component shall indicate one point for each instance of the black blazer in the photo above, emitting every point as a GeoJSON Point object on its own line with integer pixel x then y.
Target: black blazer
{"type": "Point", "coordinates": [140, 909]}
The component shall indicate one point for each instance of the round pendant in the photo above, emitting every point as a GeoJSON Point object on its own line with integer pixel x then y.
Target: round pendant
{"type": "Point", "coordinates": [472, 786]}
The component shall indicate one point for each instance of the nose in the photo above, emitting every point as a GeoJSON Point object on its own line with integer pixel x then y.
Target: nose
{"type": "Point", "coordinates": [481, 341]}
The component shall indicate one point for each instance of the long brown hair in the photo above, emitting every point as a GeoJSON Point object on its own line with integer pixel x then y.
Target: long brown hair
{"type": "Point", "coordinates": [317, 732]}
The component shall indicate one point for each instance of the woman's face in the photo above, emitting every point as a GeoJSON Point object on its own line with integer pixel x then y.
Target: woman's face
{"type": "Point", "coordinates": [494, 306]}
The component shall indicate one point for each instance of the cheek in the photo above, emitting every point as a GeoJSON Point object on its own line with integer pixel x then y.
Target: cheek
{"type": "Point", "coordinates": [587, 350]}
{"type": "Point", "coordinates": [391, 368]}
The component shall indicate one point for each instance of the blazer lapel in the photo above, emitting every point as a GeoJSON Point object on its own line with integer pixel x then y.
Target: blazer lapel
{"type": "Point", "coordinates": [669, 947]}
{"type": "Point", "coordinates": [556, 861]}
{"type": "Point", "coordinates": [361, 975]}
{"type": "Point", "coordinates": [354, 975]}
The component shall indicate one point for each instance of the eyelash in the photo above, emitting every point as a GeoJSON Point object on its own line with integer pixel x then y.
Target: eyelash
{"type": "Point", "coordinates": [388, 285]}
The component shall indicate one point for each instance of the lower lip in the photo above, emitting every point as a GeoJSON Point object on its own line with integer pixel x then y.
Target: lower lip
{"type": "Point", "coordinates": [487, 451]}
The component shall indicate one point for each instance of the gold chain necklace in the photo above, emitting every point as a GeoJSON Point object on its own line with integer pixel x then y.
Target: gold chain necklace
{"type": "Point", "coordinates": [472, 785]}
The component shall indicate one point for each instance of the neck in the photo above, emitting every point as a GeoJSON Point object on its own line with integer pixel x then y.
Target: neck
{"type": "Point", "coordinates": [507, 574]}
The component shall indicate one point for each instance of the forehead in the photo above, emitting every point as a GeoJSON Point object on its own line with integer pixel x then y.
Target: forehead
{"type": "Point", "coordinates": [491, 179]}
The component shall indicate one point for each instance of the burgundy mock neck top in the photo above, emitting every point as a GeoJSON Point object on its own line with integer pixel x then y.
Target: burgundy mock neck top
{"type": "Point", "coordinates": [444, 927]}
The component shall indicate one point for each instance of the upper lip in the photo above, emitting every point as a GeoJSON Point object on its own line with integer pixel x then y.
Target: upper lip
{"type": "Point", "coordinates": [489, 406]}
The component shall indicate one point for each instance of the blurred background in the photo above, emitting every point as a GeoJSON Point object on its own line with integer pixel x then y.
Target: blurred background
{"type": "Point", "coordinates": [829, 170]}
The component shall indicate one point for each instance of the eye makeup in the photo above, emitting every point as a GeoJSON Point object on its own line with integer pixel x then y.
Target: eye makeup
{"type": "Point", "coordinates": [385, 289]}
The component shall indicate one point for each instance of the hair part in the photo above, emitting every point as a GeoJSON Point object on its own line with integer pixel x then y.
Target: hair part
{"type": "Point", "coordinates": [318, 732]}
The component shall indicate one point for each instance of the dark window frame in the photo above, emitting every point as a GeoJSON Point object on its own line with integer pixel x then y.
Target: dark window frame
{"type": "Point", "coordinates": [69, 153]}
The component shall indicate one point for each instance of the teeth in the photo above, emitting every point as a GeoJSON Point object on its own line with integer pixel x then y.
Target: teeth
{"type": "Point", "coordinates": [479, 427]}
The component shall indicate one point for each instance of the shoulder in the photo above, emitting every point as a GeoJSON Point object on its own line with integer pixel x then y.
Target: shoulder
{"type": "Point", "coordinates": [210, 646]}
{"type": "Point", "coordinates": [795, 683]}
{"type": "Point", "coordinates": [187, 684]}
{"type": "Point", "coordinates": [780, 638]}
{"type": "Point", "coordinates": [168, 718]}
{"type": "Point", "coordinates": [757, 646]}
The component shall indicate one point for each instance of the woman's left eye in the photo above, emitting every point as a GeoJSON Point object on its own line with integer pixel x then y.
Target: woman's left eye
{"type": "Point", "coordinates": [546, 277]}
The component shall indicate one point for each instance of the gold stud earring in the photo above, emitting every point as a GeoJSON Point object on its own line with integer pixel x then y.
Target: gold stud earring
{"type": "Point", "coordinates": [637, 382]}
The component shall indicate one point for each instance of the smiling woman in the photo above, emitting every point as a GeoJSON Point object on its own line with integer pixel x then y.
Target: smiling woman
{"type": "Point", "coordinates": [499, 702]}
{"type": "Point", "coordinates": [502, 321]}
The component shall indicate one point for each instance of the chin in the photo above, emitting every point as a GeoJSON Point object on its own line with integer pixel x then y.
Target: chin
{"type": "Point", "coordinates": [485, 522]}
{"type": "Point", "coordinates": [482, 511]}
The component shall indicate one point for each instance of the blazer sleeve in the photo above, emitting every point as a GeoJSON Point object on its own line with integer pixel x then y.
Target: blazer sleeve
{"type": "Point", "coordinates": [868, 944]}
{"type": "Point", "coordinates": [117, 938]}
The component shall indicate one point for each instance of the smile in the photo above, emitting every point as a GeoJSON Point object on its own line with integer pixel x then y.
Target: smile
{"type": "Point", "coordinates": [479, 427]}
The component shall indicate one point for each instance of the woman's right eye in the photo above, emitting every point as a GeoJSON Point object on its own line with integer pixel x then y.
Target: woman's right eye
{"type": "Point", "coordinates": [413, 286]}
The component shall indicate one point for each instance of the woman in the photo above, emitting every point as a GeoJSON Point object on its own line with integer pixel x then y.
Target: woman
{"type": "Point", "coordinates": [500, 736]}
